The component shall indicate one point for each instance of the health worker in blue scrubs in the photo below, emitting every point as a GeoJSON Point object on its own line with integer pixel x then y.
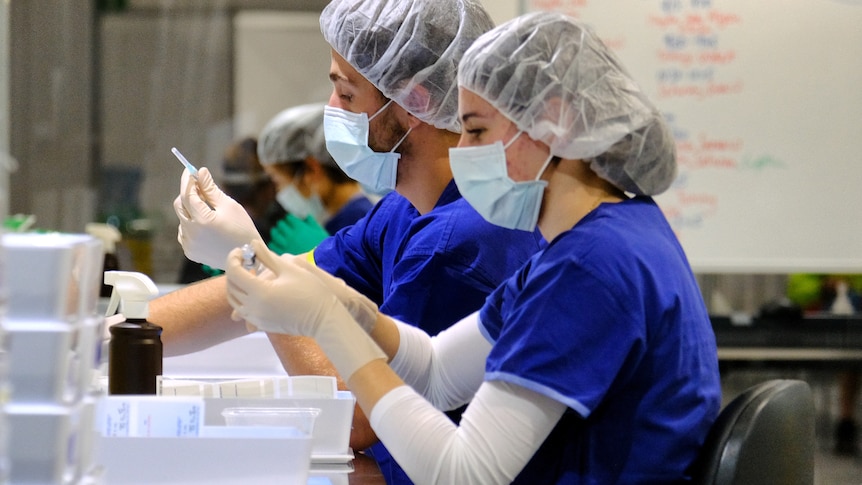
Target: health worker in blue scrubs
{"type": "Point", "coordinates": [422, 253]}
{"type": "Point", "coordinates": [596, 362]}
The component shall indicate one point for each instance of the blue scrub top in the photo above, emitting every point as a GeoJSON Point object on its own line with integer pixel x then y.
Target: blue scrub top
{"type": "Point", "coordinates": [428, 270]}
{"type": "Point", "coordinates": [610, 321]}
{"type": "Point", "coordinates": [352, 211]}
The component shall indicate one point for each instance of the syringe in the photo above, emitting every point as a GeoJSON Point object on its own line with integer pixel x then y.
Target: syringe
{"type": "Point", "coordinates": [193, 171]}
{"type": "Point", "coordinates": [191, 168]}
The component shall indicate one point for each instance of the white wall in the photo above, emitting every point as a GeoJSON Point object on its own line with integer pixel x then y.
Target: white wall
{"type": "Point", "coordinates": [280, 60]}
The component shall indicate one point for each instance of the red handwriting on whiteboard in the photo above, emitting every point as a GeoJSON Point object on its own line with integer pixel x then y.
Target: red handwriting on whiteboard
{"type": "Point", "coordinates": [699, 91]}
{"type": "Point", "coordinates": [691, 55]}
{"type": "Point", "coordinates": [688, 209]}
{"type": "Point", "coordinates": [568, 7]}
{"type": "Point", "coordinates": [706, 201]}
{"type": "Point", "coordinates": [708, 153]}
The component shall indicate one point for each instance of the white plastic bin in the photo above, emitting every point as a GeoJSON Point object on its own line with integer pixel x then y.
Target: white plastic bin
{"type": "Point", "coordinates": [43, 442]}
{"type": "Point", "coordinates": [223, 455]}
{"type": "Point", "coordinates": [40, 357]}
{"type": "Point", "coordinates": [331, 436]}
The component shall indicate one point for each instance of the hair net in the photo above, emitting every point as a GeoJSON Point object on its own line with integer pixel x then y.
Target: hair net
{"type": "Point", "coordinates": [556, 80]}
{"type": "Point", "coordinates": [294, 134]}
{"type": "Point", "coordinates": [408, 49]}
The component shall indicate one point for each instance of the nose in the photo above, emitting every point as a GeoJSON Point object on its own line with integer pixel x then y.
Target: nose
{"type": "Point", "coordinates": [462, 140]}
{"type": "Point", "coordinates": [334, 100]}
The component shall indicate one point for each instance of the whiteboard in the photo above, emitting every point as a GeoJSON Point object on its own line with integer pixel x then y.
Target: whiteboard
{"type": "Point", "coordinates": [765, 101]}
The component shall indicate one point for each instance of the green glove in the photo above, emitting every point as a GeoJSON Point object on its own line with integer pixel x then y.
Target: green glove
{"type": "Point", "coordinates": [211, 271]}
{"type": "Point", "coordinates": [292, 235]}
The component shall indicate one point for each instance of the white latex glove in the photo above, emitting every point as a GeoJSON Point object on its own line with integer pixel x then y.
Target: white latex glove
{"type": "Point", "coordinates": [287, 298]}
{"type": "Point", "coordinates": [363, 310]}
{"type": "Point", "coordinates": [207, 235]}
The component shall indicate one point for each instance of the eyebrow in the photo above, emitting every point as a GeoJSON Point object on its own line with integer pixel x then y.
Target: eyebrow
{"type": "Point", "coordinates": [469, 115]}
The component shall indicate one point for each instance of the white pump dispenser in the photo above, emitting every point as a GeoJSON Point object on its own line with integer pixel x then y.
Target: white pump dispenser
{"type": "Point", "coordinates": [132, 294]}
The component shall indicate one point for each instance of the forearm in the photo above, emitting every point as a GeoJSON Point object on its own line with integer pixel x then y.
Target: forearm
{"type": "Point", "coordinates": [386, 335]}
{"type": "Point", "coordinates": [302, 356]}
{"type": "Point", "coordinates": [446, 369]}
{"type": "Point", "coordinates": [500, 431]}
{"type": "Point", "coordinates": [195, 317]}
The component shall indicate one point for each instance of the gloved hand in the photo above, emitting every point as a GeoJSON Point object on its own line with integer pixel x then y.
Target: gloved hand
{"type": "Point", "coordinates": [210, 271]}
{"type": "Point", "coordinates": [363, 310]}
{"type": "Point", "coordinates": [293, 235]}
{"type": "Point", "coordinates": [287, 298]}
{"type": "Point", "coordinates": [207, 235]}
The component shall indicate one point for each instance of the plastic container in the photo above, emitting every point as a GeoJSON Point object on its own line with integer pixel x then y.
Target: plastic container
{"type": "Point", "coordinates": [40, 355]}
{"type": "Point", "coordinates": [43, 442]}
{"type": "Point", "coordinates": [222, 455]}
{"type": "Point", "coordinates": [50, 277]}
{"type": "Point", "coordinates": [300, 418]}
{"type": "Point", "coordinates": [331, 437]}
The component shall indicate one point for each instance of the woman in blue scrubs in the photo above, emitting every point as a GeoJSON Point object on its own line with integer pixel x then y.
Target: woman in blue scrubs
{"type": "Point", "coordinates": [595, 362]}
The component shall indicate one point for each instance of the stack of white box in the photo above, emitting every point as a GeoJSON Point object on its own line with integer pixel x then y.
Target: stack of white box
{"type": "Point", "coordinates": [53, 338]}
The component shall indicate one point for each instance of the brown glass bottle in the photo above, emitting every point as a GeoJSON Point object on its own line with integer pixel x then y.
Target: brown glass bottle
{"type": "Point", "coordinates": [134, 357]}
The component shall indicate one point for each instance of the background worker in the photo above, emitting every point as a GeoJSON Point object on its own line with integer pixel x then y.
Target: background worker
{"type": "Point", "coordinates": [310, 186]}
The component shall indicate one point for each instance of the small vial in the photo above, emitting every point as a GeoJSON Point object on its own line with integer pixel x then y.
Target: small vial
{"type": "Point", "coordinates": [248, 258]}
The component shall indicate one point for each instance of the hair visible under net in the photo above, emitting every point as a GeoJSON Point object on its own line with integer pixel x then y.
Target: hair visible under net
{"type": "Point", "coordinates": [240, 164]}
{"type": "Point", "coordinates": [294, 134]}
{"type": "Point", "coordinates": [554, 78]}
{"type": "Point", "coordinates": [242, 174]}
{"type": "Point", "coordinates": [409, 50]}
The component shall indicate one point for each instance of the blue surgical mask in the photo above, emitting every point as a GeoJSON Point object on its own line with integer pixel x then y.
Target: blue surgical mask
{"type": "Point", "coordinates": [482, 178]}
{"type": "Point", "coordinates": [295, 203]}
{"type": "Point", "coordinates": [346, 136]}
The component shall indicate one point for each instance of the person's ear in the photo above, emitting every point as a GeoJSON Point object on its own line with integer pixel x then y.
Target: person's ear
{"type": "Point", "coordinates": [418, 101]}
{"type": "Point", "coordinates": [312, 172]}
{"type": "Point", "coordinates": [413, 121]}
{"type": "Point", "coordinates": [557, 112]}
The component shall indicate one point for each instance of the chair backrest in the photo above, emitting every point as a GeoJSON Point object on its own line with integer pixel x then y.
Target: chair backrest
{"type": "Point", "coordinates": [764, 436]}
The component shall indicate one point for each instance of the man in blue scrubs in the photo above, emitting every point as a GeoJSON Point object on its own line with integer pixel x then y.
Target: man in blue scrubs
{"type": "Point", "coordinates": [422, 253]}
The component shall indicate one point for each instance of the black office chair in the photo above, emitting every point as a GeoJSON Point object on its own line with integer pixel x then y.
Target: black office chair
{"type": "Point", "coordinates": [764, 436]}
